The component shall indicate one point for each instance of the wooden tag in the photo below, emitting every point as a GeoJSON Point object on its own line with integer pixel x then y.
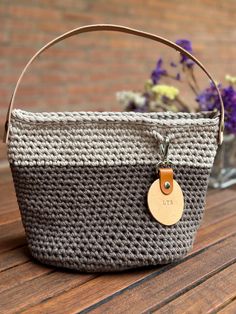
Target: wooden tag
{"type": "Point", "coordinates": [166, 208]}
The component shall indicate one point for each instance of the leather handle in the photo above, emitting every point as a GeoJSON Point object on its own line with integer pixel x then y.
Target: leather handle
{"type": "Point", "coordinates": [117, 28]}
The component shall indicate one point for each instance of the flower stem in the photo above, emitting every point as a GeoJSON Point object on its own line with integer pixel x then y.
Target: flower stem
{"type": "Point", "coordinates": [183, 105]}
{"type": "Point", "coordinates": [188, 74]}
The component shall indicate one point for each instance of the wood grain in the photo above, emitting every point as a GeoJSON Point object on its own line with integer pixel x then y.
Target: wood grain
{"type": "Point", "coordinates": [110, 282]}
{"type": "Point", "coordinates": [14, 257]}
{"type": "Point", "coordinates": [15, 276]}
{"type": "Point", "coordinates": [160, 286]}
{"type": "Point", "coordinates": [225, 228]}
{"type": "Point", "coordinates": [39, 289]}
{"type": "Point", "coordinates": [219, 212]}
{"type": "Point", "coordinates": [206, 297]}
{"type": "Point", "coordinates": [6, 218]}
{"type": "Point", "coordinates": [11, 236]}
{"type": "Point", "coordinates": [229, 308]}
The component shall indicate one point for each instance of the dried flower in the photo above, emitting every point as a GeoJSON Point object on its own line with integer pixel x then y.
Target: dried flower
{"type": "Point", "coordinates": [128, 96]}
{"type": "Point", "coordinates": [168, 91]}
{"type": "Point", "coordinates": [148, 85]}
{"type": "Point", "coordinates": [132, 101]}
{"type": "Point", "coordinates": [230, 79]}
{"type": "Point", "coordinates": [209, 100]}
{"type": "Point", "coordinates": [178, 77]}
{"type": "Point", "coordinates": [160, 97]}
{"type": "Point", "coordinates": [158, 72]}
{"type": "Point", "coordinates": [173, 64]}
{"type": "Point", "coordinates": [187, 45]}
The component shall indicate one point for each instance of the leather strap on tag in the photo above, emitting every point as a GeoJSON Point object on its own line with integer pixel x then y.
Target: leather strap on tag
{"type": "Point", "coordinates": [166, 180]}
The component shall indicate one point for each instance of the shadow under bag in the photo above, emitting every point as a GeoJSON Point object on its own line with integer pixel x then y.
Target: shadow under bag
{"type": "Point", "coordinates": [82, 179]}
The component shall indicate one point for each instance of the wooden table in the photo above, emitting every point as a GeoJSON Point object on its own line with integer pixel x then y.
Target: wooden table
{"type": "Point", "coordinates": [204, 282]}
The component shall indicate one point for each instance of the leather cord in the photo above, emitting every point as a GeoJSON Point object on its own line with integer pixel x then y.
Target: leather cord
{"type": "Point", "coordinates": [117, 28]}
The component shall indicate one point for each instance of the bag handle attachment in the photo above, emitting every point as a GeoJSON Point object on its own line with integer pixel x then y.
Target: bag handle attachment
{"type": "Point", "coordinates": [122, 29]}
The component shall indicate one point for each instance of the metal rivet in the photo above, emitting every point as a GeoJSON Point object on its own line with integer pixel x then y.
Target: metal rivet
{"type": "Point", "coordinates": [167, 185]}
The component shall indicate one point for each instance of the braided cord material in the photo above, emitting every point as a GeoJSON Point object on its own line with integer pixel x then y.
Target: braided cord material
{"type": "Point", "coordinates": [81, 181]}
{"type": "Point", "coordinates": [111, 138]}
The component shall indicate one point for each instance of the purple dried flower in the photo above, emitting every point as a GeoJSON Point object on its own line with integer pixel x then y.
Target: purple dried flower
{"type": "Point", "coordinates": [173, 65]}
{"type": "Point", "coordinates": [178, 77]}
{"type": "Point", "coordinates": [187, 45]}
{"type": "Point", "coordinates": [209, 100]}
{"type": "Point", "coordinates": [158, 72]}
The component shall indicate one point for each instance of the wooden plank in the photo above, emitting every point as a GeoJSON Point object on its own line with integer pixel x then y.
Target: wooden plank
{"type": "Point", "coordinates": [225, 228]}
{"type": "Point", "coordinates": [9, 210]}
{"type": "Point", "coordinates": [229, 308]}
{"type": "Point", "coordinates": [20, 256]}
{"type": "Point", "coordinates": [150, 289]}
{"type": "Point", "coordinates": [8, 202]}
{"type": "Point", "coordinates": [14, 257]}
{"type": "Point", "coordinates": [6, 182]}
{"type": "Point", "coordinates": [17, 275]}
{"type": "Point", "coordinates": [220, 197]}
{"type": "Point", "coordinates": [7, 193]}
{"type": "Point", "coordinates": [207, 297]}
{"type": "Point", "coordinates": [220, 231]}
{"type": "Point", "coordinates": [35, 270]}
{"type": "Point", "coordinates": [6, 179]}
{"type": "Point", "coordinates": [11, 216]}
{"type": "Point", "coordinates": [9, 207]}
{"type": "Point", "coordinates": [174, 282]}
{"type": "Point", "coordinates": [219, 212]}
{"type": "Point", "coordinates": [39, 289]}
{"type": "Point", "coordinates": [11, 236]}
{"type": "Point", "coordinates": [3, 149]}
{"type": "Point", "coordinates": [104, 284]}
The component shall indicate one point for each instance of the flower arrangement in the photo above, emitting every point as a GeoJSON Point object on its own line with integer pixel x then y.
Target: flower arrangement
{"type": "Point", "coordinates": [165, 97]}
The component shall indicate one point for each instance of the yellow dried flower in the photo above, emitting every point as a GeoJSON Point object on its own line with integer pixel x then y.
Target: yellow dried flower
{"type": "Point", "coordinates": [168, 91]}
{"type": "Point", "coordinates": [148, 85]}
{"type": "Point", "coordinates": [230, 79]}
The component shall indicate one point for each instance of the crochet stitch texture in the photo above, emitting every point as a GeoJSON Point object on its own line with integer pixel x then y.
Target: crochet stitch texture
{"type": "Point", "coordinates": [81, 181]}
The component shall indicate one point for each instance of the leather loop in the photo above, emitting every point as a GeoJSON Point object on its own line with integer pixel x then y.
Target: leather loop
{"type": "Point", "coordinates": [118, 28]}
{"type": "Point", "coordinates": [166, 180]}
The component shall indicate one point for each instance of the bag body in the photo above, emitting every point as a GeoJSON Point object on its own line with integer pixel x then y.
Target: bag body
{"type": "Point", "coordinates": [82, 178]}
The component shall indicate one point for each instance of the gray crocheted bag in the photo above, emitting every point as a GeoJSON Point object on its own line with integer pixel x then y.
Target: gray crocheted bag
{"type": "Point", "coordinates": [82, 178]}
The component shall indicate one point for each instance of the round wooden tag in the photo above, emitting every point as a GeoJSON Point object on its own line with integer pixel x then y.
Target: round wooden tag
{"type": "Point", "coordinates": [166, 209]}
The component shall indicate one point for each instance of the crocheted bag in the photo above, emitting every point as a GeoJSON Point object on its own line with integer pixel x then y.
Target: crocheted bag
{"type": "Point", "coordinates": [82, 178]}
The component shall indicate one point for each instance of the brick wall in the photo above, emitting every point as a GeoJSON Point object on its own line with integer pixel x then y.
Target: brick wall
{"type": "Point", "coordinates": [83, 73]}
